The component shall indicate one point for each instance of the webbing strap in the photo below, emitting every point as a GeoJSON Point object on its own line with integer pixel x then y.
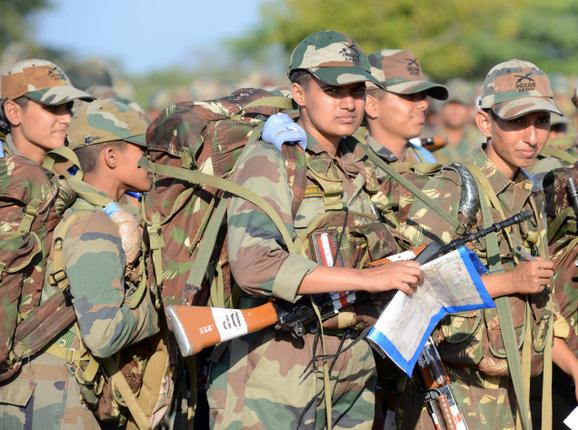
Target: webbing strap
{"type": "Point", "coordinates": [278, 102]}
{"type": "Point", "coordinates": [559, 221]}
{"type": "Point", "coordinates": [406, 183]}
{"type": "Point", "coordinates": [196, 177]}
{"type": "Point", "coordinates": [558, 153]}
{"type": "Point", "coordinates": [201, 261]}
{"type": "Point", "coordinates": [119, 381]}
{"type": "Point", "coordinates": [64, 152]}
{"type": "Point", "coordinates": [504, 315]}
{"type": "Point", "coordinates": [30, 212]}
{"type": "Point", "coordinates": [87, 193]}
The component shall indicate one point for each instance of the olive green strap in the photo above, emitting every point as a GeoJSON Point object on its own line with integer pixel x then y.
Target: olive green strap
{"type": "Point", "coordinates": [406, 183]}
{"type": "Point", "coordinates": [559, 222]}
{"type": "Point", "coordinates": [119, 382]}
{"type": "Point", "coordinates": [278, 102]}
{"type": "Point", "coordinates": [504, 315]}
{"type": "Point", "coordinates": [30, 213]}
{"type": "Point", "coordinates": [88, 193]}
{"type": "Point", "coordinates": [196, 177]}
{"type": "Point", "coordinates": [558, 153]}
{"type": "Point", "coordinates": [201, 260]}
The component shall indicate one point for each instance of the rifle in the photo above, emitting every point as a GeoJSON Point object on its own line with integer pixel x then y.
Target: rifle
{"type": "Point", "coordinates": [439, 399]}
{"type": "Point", "coordinates": [433, 143]}
{"type": "Point", "coordinates": [199, 327]}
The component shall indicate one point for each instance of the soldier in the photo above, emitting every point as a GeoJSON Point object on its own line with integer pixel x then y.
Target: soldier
{"type": "Point", "coordinates": [97, 246]}
{"type": "Point", "coordinates": [37, 106]}
{"type": "Point", "coordinates": [456, 123]}
{"type": "Point", "coordinates": [394, 116]}
{"type": "Point", "coordinates": [479, 348]}
{"type": "Point", "coordinates": [272, 380]}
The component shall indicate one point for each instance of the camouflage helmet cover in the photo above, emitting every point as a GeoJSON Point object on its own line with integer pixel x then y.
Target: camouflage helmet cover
{"type": "Point", "coordinates": [515, 88]}
{"type": "Point", "coordinates": [106, 121]}
{"type": "Point", "coordinates": [333, 58]}
{"type": "Point", "coordinates": [399, 72]}
{"type": "Point", "coordinates": [41, 81]}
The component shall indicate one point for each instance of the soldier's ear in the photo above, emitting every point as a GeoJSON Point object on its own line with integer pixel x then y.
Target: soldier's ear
{"type": "Point", "coordinates": [484, 122]}
{"type": "Point", "coordinates": [371, 109]}
{"type": "Point", "coordinates": [298, 94]}
{"type": "Point", "coordinates": [110, 156]}
{"type": "Point", "coordinates": [12, 112]}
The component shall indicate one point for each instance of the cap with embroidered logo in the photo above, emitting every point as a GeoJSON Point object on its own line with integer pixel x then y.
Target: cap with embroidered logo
{"type": "Point", "coordinates": [333, 58]}
{"type": "Point", "coordinates": [41, 81]}
{"type": "Point", "coordinates": [399, 72]}
{"type": "Point", "coordinates": [515, 88]}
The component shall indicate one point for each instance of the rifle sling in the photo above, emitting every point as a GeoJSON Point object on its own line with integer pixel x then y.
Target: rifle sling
{"type": "Point", "coordinates": [502, 303]}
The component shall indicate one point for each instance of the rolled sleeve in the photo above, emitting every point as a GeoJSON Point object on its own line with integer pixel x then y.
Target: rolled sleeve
{"type": "Point", "coordinates": [289, 277]}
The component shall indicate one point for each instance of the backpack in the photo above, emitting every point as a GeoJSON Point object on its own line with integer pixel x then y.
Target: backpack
{"type": "Point", "coordinates": [184, 212]}
{"type": "Point", "coordinates": [32, 201]}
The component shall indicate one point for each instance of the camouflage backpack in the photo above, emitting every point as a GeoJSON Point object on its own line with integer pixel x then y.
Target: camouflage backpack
{"type": "Point", "coordinates": [195, 145]}
{"type": "Point", "coordinates": [32, 201]}
{"type": "Point", "coordinates": [563, 243]}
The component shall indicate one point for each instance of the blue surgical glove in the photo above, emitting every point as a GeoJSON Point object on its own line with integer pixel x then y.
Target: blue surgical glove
{"type": "Point", "coordinates": [280, 129]}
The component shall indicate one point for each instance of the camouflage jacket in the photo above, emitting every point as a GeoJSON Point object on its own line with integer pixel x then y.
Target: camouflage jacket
{"type": "Point", "coordinates": [393, 199]}
{"type": "Point", "coordinates": [259, 262]}
{"type": "Point", "coordinates": [424, 226]}
{"type": "Point", "coordinates": [95, 266]}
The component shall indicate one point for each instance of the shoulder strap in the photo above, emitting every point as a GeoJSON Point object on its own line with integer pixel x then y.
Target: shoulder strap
{"type": "Point", "coordinates": [432, 204]}
{"type": "Point", "coordinates": [502, 303]}
{"type": "Point", "coordinates": [559, 154]}
{"type": "Point", "coordinates": [196, 177]}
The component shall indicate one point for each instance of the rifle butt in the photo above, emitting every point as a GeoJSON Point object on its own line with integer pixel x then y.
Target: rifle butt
{"type": "Point", "coordinates": [199, 327]}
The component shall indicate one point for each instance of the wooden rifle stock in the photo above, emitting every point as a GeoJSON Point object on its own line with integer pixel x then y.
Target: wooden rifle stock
{"type": "Point", "coordinates": [199, 327]}
{"type": "Point", "coordinates": [434, 143]}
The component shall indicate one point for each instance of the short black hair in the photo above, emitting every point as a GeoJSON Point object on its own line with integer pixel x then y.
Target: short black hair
{"type": "Point", "coordinates": [301, 77]}
{"type": "Point", "coordinates": [88, 155]}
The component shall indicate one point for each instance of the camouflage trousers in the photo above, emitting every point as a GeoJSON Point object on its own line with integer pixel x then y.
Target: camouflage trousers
{"type": "Point", "coordinates": [268, 382]}
{"type": "Point", "coordinates": [487, 402]}
{"type": "Point", "coordinates": [44, 396]}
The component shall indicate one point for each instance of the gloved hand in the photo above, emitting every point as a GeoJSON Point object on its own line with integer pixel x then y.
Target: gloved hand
{"type": "Point", "coordinates": [280, 129]}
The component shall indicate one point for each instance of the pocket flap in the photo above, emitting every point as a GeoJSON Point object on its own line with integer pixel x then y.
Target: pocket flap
{"type": "Point", "coordinates": [17, 392]}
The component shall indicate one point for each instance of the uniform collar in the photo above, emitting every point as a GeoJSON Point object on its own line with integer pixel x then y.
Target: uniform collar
{"type": "Point", "coordinates": [497, 179]}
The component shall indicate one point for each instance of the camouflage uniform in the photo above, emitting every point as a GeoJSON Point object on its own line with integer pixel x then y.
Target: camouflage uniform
{"type": "Point", "coordinates": [461, 92]}
{"type": "Point", "coordinates": [486, 400]}
{"type": "Point", "coordinates": [44, 83]}
{"type": "Point", "coordinates": [400, 73]}
{"type": "Point", "coordinates": [46, 393]}
{"type": "Point", "coordinates": [270, 379]}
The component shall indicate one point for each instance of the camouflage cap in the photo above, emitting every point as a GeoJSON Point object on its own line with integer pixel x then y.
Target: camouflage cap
{"type": "Point", "coordinates": [515, 88]}
{"type": "Point", "coordinates": [41, 81]}
{"type": "Point", "coordinates": [333, 58]}
{"type": "Point", "coordinates": [106, 121]}
{"type": "Point", "coordinates": [461, 91]}
{"type": "Point", "coordinates": [400, 73]}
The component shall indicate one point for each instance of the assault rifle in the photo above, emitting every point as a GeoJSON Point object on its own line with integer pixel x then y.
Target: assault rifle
{"type": "Point", "coordinates": [199, 327]}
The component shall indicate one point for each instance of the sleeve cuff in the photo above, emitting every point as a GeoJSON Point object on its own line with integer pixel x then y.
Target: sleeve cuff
{"type": "Point", "coordinates": [290, 275]}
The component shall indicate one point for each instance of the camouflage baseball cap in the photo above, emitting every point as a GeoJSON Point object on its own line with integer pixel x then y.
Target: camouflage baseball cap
{"type": "Point", "coordinates": [333, 58]}
{"type": "Point", "coordinates": [400, 73]}
{"type": "Point", "coordinates": [106, 121]}
{"type": "Point", "coordinates": [41, 81]}
{"type": "Point", "coordinates": [515, 88]}
{"type": "Point", "coordinates": [461, 91]}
